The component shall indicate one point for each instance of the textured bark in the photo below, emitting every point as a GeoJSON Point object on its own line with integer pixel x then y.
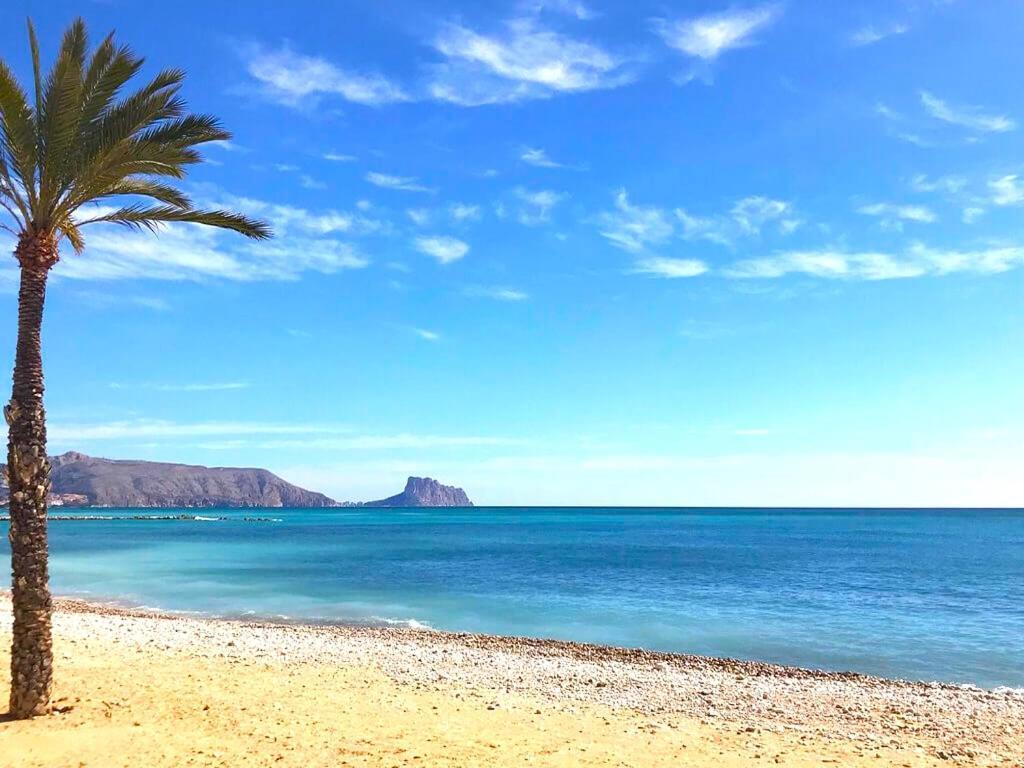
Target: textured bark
{"type": "Point", "coordinates": [29, 480]}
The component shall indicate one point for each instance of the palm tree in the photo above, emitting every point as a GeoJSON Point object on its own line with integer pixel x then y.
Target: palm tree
{"type": "Point", "coordinates": [82, 141]}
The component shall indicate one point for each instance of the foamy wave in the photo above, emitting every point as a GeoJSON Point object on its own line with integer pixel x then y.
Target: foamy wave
{"type": "Point", "coordinates": [1009, 690]}
{"type": "Point", "coordinates": [402, 623]}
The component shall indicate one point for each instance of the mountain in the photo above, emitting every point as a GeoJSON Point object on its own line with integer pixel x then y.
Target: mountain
{"type": "Point", "coordinates": [80, 479]}
{"type": "Point", "coordinates": [424, 492]}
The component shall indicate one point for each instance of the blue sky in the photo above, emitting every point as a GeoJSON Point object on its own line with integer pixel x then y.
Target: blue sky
{"type": "Point", "coordinates": [570, 253]}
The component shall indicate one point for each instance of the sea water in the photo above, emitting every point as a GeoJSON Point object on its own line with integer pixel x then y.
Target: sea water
{"type": "Point", "coordinates": [918, 594]}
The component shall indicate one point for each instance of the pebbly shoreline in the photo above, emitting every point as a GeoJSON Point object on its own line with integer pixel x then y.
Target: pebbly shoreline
{"type": "Point", "coordinates": [961, 723]}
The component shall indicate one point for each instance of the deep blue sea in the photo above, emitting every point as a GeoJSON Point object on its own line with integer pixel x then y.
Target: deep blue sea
{"type": "Point", "coordinates": [923, 594]}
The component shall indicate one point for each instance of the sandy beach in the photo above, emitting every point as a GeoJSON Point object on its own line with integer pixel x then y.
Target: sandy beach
{"type": "Point", "coordinates": [143, 689]}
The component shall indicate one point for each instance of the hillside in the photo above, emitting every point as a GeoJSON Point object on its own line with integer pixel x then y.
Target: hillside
{"type": "Point", "coordinates": [80, 479]}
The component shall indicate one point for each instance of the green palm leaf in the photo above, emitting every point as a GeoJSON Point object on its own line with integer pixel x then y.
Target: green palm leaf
{"type": "Point", "coordinates": [83, 141]}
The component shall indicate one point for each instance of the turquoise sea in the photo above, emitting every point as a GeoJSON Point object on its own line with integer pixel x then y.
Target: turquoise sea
{"type": "Point", "coordinates": [922, 594]}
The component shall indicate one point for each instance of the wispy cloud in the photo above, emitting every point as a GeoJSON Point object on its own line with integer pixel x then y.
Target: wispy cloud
{"type": "Point", "coordinates": [538, 157]}
{"type": "Point", "coordinates": [580, 10]}
{"type": "Point", "coordinates": [292, 78]}
{"type": "Point", "coordinates": [308, 182]}
{"type": "Point", "coordinates": [634, 228]}
{"type": "Point", "coordinates": [752, 213]}
{"type": "Point", "coordinates": [871, 34]}
{"type": "Point", "coordinates": [702, 228]}
{"type": "Point", "coordinates": [232, 435]}
{"type": "Point", "coordinates": [105, 300]}
{"type": "Point", "coordinates": [893, 215]}
{"type": "Point", "coordinates": [536, 205]}
{"type": "Point", "coordinates": [156, 428]}
{"type": "Point", "coordinates": [658, 266]}
{"type": "Point", "coordinates": [496, 292]}
{"type": "Point", "coordinates": [525, 60]}
{"type": "Point", "coordinates": [918, 261]}
{"type": "Point", "coordinates": [442, 247]}
{"type": "Point", "coordinates": [426, 335]}
{"type": "Point", "coordinates": [972, 213]}
{"type": "Point", "coordinates": [949, 185]}
{"type": "Point", "coordinates": [404, 183]}
{"type": "Point", "coordinates": [1007, 190]}
{"type": "Point", "coordinates": [188, 387]}
{"type": "Point", "coordinates": [338, 157]}
{"type": "Point", "coordinates": [974, 118]}
{"type": "Point", "coordinates": [187, 252]}
{"type": "Point", "coordinates": [419, 216]}
{"type": "Point", "coordinates": [464, 211]}
{"type": "Point", "coordinates": [708, 37]}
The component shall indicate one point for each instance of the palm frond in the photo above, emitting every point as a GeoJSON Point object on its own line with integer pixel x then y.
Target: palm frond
{"type": "Point", "coordinates": [109, 69]}
{"type": "Point", "coordinates": [18, 132]}
{"type": "Point", "coordinates": [186, 131]}
{"type": "Point", "coordinates": [37, 77]}
{"type": "Point", "coordinates": [163, 193]}
{"type": "Point", "coordinates": [150, 217]}
{"type": "Point", "coordinates": [84, 141]}
{"type": "Point", "coordinates": [70, 230]}
{"type": "Point", "coordinates": [9, 190]}
{"type": "Point", "coordinates": [58, 116]}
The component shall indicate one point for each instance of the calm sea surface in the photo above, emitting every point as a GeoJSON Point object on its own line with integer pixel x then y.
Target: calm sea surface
{"type": "Point", "coordinates": [933, 594]}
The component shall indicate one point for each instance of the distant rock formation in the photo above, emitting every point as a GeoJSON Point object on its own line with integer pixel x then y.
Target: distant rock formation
{"type": "Point", "coordinates": [424, 492]}
{"type": "Point", "coordinates": [84, 480]}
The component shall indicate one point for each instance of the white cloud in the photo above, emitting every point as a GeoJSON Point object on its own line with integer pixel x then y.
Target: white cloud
{"type": "Point", "coordinates": [870, 35]}
{"type": "Point", "coordinates": [285, 167]}
{"type": "Point", "coordinates": [919, 261]}
{"type": "Point", "coordinates": [632, 227]}
{"type": "Point", "coordinates": [707, 37]}
{"type": "Point", "coordinates": [524, 61]}
{"type": "Point", "coordinates": [950, 185]}
{"type": "Point", "coordinates": [117, 300]}
{"type": "Point", "coordinates": [441, 247]}
{"type": "Point", "coordinates": [156, 428]}
{"type": "Point", "coordinates": [701, 228]}
{"type": "Point", "coordinates": [404, 183]}
{"type": "Point", "coordinates": [670, 268]}
{"type": "Point", "coordinates": [337, 157]}
{"type": "Point", "coordinates": [1007, 190]}
{"type": "Point", "coordinates": [538, 157]}
{"type": "Point", "coordinates": [752, 213]}
{"type": "Point", "coordinates": [227, 146]}
{"type": "Point", "coordinates": [536, 205]}
{"type": "Point", "coordinates": [892, 214]}
{"type": "Point", "coordinates": [568, 7]}
{"type": "Point", "coordinates": [464, 211]}
{"type": "Point", "coordinates": [498, 293]}
{"type": "Point", "coordinates": [308, 182]}
{"type": "Point", "coordinates": [291, 78]}
{"type": "Point", "coordinates": [966, 116]}
{"type": "Point", "coordinates": [190, 252]}
{"type": "Point", "coordinates": [419, 216]}
{"type": "Point", "coordinates": [972, 213]}
{"type": "Point", "coordinates": [289, 219]}
{"type": "Point", "coordinates": [189, 387]}
{"type": "Point", "coordinates": [426, 335]}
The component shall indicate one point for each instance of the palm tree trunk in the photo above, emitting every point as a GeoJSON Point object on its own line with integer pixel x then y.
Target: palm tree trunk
{"type": "Point", "coordinates": [29, 480]}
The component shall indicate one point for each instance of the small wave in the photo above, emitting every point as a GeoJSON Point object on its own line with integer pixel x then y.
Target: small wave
{"type": "Point", "coordinates": [207, 519]}
{"type": "Point", "coordinates": [1009, 690]}
{"type": "Point", "coordinates": [402, 623]}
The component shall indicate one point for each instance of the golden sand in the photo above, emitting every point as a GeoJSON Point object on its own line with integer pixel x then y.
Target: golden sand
{"type": "Point", "coordinates": [124, 699]}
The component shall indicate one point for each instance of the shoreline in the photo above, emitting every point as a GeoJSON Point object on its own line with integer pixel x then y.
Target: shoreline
{"type": "Point", "coordinates": [659, 699]}
{"type": "Point", "coordinates": [539, 645]}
